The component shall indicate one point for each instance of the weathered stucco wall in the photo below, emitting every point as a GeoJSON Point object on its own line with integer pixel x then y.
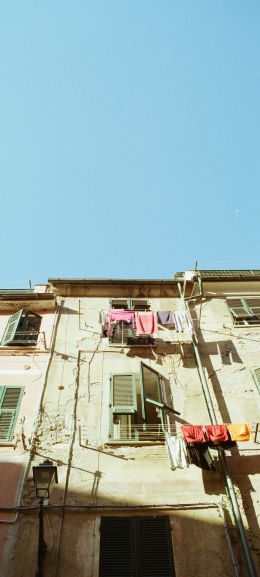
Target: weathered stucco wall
{"type": "Point", "coordinates": [74, 433]}
{"type": "Point", "coordinates": [20, 367]}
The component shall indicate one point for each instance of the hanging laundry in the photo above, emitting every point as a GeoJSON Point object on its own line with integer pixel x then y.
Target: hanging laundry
{"type": "Point", "coordinates": [239, 432]}
{"type": "Point", "coordinates": [117, 315]}
{"type": "Point", "coordinates": [193, 433]}
{"type": "Point", "coordinates": [201, 457]}
{"type": "Point", "coordinates": [165, 317]}
{"type": "Point", "coordinates": [177, 452]}
{"type": "Point", "coordinates": [182, 321]}
{"type": "Point", "coordinates": [146, 323]}
{"type": "Point", "coordinates": [103, 317]}
{"type": "Point", "coordinates": [217, 433]}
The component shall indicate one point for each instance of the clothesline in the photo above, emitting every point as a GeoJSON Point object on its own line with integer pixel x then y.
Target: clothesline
{"type": "Point", "coordinates": [146, 322]}
{"type": "Point", "coordinates": [198, 434]}
{"type": "Point", "coordinates": [191, 445]}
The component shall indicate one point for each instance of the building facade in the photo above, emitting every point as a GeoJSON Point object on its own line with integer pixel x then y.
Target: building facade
{"type": "Point", "coordinates": [27, 320]}
{"type": "Point", "coordinates": [126, 364]}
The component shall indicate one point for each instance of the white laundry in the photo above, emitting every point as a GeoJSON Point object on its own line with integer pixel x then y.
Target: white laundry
{"type": "Point", "coordinates": [182, 321]}
{"type": "Point", "coordinates": [177, 452]}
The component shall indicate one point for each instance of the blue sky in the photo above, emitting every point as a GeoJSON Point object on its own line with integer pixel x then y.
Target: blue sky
{"type": "Point", "coordinates": [129, 137]}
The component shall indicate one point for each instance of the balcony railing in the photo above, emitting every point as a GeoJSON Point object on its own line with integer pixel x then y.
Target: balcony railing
{"type": "Point", "coordinates": [31, 338]}
{"type": "Point", "coordinates": [135, 433]}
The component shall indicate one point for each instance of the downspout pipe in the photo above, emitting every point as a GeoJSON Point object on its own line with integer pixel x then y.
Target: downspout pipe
{"type": "Point", "coordinates": [222, 457]}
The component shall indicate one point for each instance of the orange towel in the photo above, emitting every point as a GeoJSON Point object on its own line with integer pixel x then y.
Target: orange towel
{"type": "Point", "coordinates": [239, 432]}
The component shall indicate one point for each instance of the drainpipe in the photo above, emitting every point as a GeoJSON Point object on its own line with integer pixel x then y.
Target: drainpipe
{"type": "Point", "coordinates": [222, 457]}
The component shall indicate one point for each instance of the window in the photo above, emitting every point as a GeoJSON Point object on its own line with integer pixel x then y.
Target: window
{"type": "Point", "coordinates": [137, 407]}
{"type": "Point", "coordinates": [123, 334]}
{"type": "Point", "coordinates": [245, 311]}
{"type": "Point", "coordinates": [256, 375]}
{"type": "Point", "coordinates": [130, 304]}
{"type": "Point", "coordinates": [10, 400]}
{"type": "Point", "coordinates": [22, 329]}
{"type": "Point", "coordinates": [136, 547]}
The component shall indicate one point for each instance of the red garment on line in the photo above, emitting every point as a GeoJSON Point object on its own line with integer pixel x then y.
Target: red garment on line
{"type": "Point", "coordinates": [146, 323]}
{"type": "Point", "coordinates": [217, 433]}
{"type": "Point", "coordinates": [193, 433]}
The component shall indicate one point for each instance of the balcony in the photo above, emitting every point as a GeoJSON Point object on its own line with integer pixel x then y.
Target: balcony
{"type": "Point", "coordinates": [134, 433]}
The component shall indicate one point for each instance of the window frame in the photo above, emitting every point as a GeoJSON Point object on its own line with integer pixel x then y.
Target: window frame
{"type": "Point", "coordinates": [133, 409]}
{"type": "Point", "coordinates": [256, 377]}
{"type": "Point", "coordinates": [141, 541]}
{"type": "Point", "coordinates": [131, 304]}
{"type": "Point", "coordinates": [12, 327]}
{"type": "Point", "coordinates": [240, 320]}
{"type": "Point", "coordinates": [14, 412]}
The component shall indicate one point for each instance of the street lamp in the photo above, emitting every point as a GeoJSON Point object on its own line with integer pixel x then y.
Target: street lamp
{"type": "Point", "coordinates": [44, 476]}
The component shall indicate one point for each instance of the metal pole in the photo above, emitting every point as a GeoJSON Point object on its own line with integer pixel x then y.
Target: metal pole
{"type": "Point", "coordinates": [42, 547]}
{"type": "Point", "coordinates": [222, 457]}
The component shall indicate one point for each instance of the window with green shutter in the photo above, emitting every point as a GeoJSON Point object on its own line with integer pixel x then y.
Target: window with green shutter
{"type": "Point", "coordinates": [136, 406]}
{"type": "Point", "coordinates": [245, 311]}
{"type": "Point", "coordinates": [22, 329]}
{"type": "Point", "coordinates": [10, 400]}
{"type": "Point", "coordinates": [136, 547]}
{"type": "Point", "coordinates": [256, 375]}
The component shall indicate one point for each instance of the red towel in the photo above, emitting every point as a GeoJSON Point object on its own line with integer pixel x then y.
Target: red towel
{"type": "Point", "coordinates": [193, 433]}
{"type": "Point", "coordinates": [217, 433]}
{"type": "Point", "coordinates": [146, 323]}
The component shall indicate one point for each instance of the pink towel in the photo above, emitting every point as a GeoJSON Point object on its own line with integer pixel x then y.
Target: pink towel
{"type": "Point", "coordinates": [146, 323]}
{"type": "Point", "coordinates": [115, 316]}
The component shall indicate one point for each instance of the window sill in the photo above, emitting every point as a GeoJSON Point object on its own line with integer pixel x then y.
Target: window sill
{"type": "Point", "coordinates": [135, 345]}
{"type": "Point", "coordinates": [29, 348]}
{"type": "Point", "coordinates": [246, 326]}
{"type": "Point", "coordinates": [119, 443]}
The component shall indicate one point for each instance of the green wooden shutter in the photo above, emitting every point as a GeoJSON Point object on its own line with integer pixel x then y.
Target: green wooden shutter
{"type": "Point", "coordinates": [10, 399]}
{"type": "Point", "coordinates": [136, 547]}
{"type": "Point", "coordinates": [123, 402]}
{"type": "Point", "coordinates": [256, 375]}
{"type": "Point", "coordinates": [123, 394]}
{"type": "Point", "coordinates": [11, 328]}
{"type": "Point", "coordinates": [239, 308]}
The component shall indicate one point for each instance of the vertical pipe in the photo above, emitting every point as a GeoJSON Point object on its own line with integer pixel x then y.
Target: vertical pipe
{"type": "Point", "coordinates": [222, 457]}
{"type": "Point", "coordinates": [42, 548]}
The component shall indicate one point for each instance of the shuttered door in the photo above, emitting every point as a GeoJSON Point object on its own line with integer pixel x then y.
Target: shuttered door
{"type": "Point", "coordinates": [136, 547]}
{"type": "Point", "coordinates": [116, 547]}
{"type": "Point", "coordinates": [10, 398]}
{"type": "Point", "coordinates": [155, 548]}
